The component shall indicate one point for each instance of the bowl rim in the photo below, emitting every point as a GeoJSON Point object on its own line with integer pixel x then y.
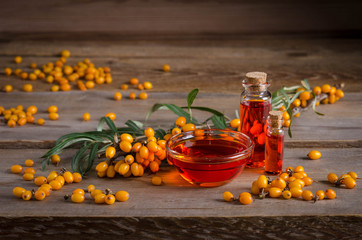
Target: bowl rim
{"type": "Point", "coordinates": [212, 160]}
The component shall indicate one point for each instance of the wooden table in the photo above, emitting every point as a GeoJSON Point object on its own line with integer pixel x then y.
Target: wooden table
{"type": "Point", "coordinates": [178, 210]}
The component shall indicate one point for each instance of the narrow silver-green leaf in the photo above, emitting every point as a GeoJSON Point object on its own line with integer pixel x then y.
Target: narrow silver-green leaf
{"type": "Point", "coordinates": [314, 105]}
{"type": "Point", "coordinates": [219, 122]}
{"type": "Point", "coordinates": [190, 99]}
{"type": "Point", "coordinates": [305, 84]}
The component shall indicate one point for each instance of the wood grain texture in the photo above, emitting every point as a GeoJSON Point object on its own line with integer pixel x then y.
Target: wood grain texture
{"type": "Point", "coordinates": [342, 121]}
{"type": "Point", "coordinates": [177, 198]}
{"type": "Point", "coordinates": [181, 16]}
{"type": "Point", "coordinates": [306, 227]}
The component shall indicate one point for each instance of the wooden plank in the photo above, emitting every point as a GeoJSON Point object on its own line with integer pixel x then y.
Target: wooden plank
{"type": "Point", "coordinates": [177, 198]}
{"type": "Point", "coordinates": [211, 65]}
{"type": "Point", "coordinates": [183, 17]}
{"type": "Point", "coordinates": [342, 121]}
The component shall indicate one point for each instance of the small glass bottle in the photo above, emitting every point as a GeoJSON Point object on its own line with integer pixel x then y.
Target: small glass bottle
{"type": "Point", "coordinates": [255, 105]}
{"type": "Point", "coordinates": [274, 144]}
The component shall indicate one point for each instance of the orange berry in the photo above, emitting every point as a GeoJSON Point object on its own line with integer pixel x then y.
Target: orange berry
{"type": "Point", "coordinates": [133, 81]}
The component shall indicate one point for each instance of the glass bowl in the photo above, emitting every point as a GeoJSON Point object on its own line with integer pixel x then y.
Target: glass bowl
{"type": "Point", "coordinates": [209, 157]}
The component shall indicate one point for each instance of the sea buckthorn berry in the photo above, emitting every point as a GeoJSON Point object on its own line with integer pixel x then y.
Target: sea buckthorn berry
{"type": "Point", "coordinates": [8, 88]}
{"type": "Point", "coordinates": [349, 182]}
{"type": "Point", "coordinates": [55, 184]}
{"type": "Point", "coordinates": [175, 131]}
{"type": "Point", "coordinates": [65, 53]}
{"type": "Point", "coordinates": [304, 104]}
{"type": "Point", "coordinates": [133, 81]}
{"type": "Point", "coordinates": [136, 147]}
{"type": "Point", "coordinates": [296, 192]}
{"type": "Point", "coordinates": [286, 116]}
{"type": "Point", "coordinates": [24, 75]}
{"type": "Point", "coordinates": [326, 88]}
{"type": "Point", "coordinates": [110, 152]}
{"type": "Point", "coordinates": [16, 169]}
{"type": "Point", "coordinates": [286, 123]}
{"type": "Point", "coordinates": [151, 139]}
{"type": "Point", "coordinates": [188, 127]}
{"type": "Point", "coordinates": [17, 72]}
{"type": "Point", "coordinates": [90, 84]}
{"type": "Point", "coordinates": [40, 180]}
{"type": "Point", "coordinates": [228, 196]}
{"type": "Point", "coordinates": [144, 152]}
{"type": "Point", "coordinates": [102, 166]}
{"type": "Point", "coordinates": [122, 196]}
{"type": "Point", "coordinates": [135, 169]}
{"type": "Point", "coordinates": [300, 89]}
{"type": "Point", "coordinates": [332, 99]}
{"type": "Point", "coordinates": [154, 167]}
{"type": "Point", "coordinates": [235, 123]}
{"type": "Point", "coordinates": [100, 198]}
{"type": "Point", "coordinates": [332, 178]}
{"type": "Point", "coordinates": [262, 181]}
{"type": "Point", "coordinates": [284, 176]}
{"type": "Point", "coordinates": [77, 198]}
{"type": "Point", "coordinates": [275, 192]}
{"type": "Point", "coordinates": [279, 183]}
{"type": "Point", "coordinates": [254, 189]}
{"type": "Point", "coordinates": [32, 77]}
{"type": "Point", "coordinates": [298, 169]}
{"type": "Point", "coordinates": [53, 109]}
{"type": "Point", "coordinates": [152, 146]}
{"type": "Point", "coordinates": [307, 195]}
{"type": "Point", "coordinates": [317, 90]}
{"type": "Point", "coordinates": [39, 195]}
{"type": "Point", "coordinates": [124, 86]}
{"type": "Point", "coordinates": [68, 177]}
{"type": "Point", "coordinates": [245, 198]}
{"type": "Point", "coordinates": [125, 146]}
{"type": "Point", "coordinates": [28, 88]}
{"type": "Point", "coordinates": [149, 132]}
{"type": "Point", "coordinates": [339, 93]}
{"type": "Point", "coordinates": [314, 155]}
{"type": "Point", "coordinates": [140, 86]}
{"type": "Point", "coordinates": [40, 121]}
{"type": "Point", "coordinates": [162, 144]}
{"type": "Point", "coordinates": [330, 194]}
{"type": "Point", "coordinates": [123, 168]}
{"type": "Point", "coordinates": [110, 199]}
{"type": "Point", "coordinates": [117, 96]}
{"type": "Point", "coordinates": [287, 194]}
{"type": "Point", "coordinates": [111, 115]}
{"type": "Point", "coordinates": [55, 159]}
{"type": "Point", "coordinates": [28, 176]}
{"type": "Point", "coordinates": [111, 173]}
{"type": "Point", "coordinates": [91, 188]}
{"type": "Point", "coordinates": [307, 180]}
{"type": "Point", "coordinates": [46, 188]}
{"type": "Point", "coordinates": [167, 136]}
{"type": "Point", "coordinates": [297, 175]}
{"type": "Point", "coordinates": [297, 115]}
{"type": "Point", "coordinates": [127, 137]}
{"type": "Point", "coordinates": [21, 121]}
{"type": "Point", "coordinates": [77, 177]}
{"type": "Point", "coordinates": [29, 162]}
{"type": "Point", "coordinates": [54, 88]}
{"type": "Point", "coordinates": [11, 123]}
{"type": "Point", "coordinates": [324, 101]}
{"type": "Point", "coordinates": [95, 192]}
{"type": "Point", "coordinates": [129, 159]}
{"type": "Point", "coordinates": [60, 179]}
{"type": "Point", "coordinates": [180, 121]}
{"type": "Point", "coordinates": [166, 68]}
{"type": "Point", "coordinates": [319, 195]}
{"type": "Point", "coordinates": [296, 102]}
{"type": "Point", "coordinates": [86, 117]}
{"type": "Point", "coordinates": [353, 175]}
{"type": "Point", "coordinates": [53, 175]}
{"type": "Point", "coordinates": [132, 96]}
{"type": "Point", "coordinates": [7, 71]}
{"type": "Point", "coordinates": [296, 183]}
{"type": "Point", "coordinates": [18, 191]}
{"type": "Point", "coordinates": [26, 195]}
{"type": "Point", "coordinates": [344, 176]}
{"type": "Point", "coordinates": [157, 181]}
{"type": "Point", "coordinates": [305, 96]}
{"type": "Point", "coordinates": [143, 96]}
{"type": "Point", "coordinates": [18, 59]}
{"type": "Point", "coordinates": [78, 191]}
{"type": "Point", "coordinates": [332, 91]}
{"type": "Point", "coordinates": [53, 116]}
{"type": "Point", "coordinates": [147, 85]}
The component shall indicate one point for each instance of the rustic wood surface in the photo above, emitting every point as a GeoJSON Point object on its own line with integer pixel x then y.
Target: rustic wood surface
{"type": "Point", "coordinates": [217, 67]}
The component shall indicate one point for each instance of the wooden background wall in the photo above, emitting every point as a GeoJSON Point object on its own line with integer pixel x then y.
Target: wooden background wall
{"type": "Point", "coordinates": [166, 17]}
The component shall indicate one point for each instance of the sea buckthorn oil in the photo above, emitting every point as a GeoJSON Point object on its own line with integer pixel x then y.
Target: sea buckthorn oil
{"type": "Point", "coordinates": [274, 144]}
{"type": "Point", "coordinates": [255, 105]}
{"type": "Point", "coordinates": [210, 161]}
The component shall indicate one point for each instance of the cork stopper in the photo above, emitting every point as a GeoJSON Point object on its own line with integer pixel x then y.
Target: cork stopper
{"type": "Point", "coordinates": [276, 119]}
{"type": "Point", "coordinates": [255, 78]}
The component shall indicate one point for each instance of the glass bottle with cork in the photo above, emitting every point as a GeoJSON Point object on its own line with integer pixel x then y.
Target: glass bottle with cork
{"type": "Point", "coordinates": [274, 144]}
{"type": "Point", "coordinates": [255, 105]}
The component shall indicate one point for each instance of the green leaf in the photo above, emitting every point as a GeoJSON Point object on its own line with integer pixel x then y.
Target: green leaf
{"type": "Point", "coordinates": [305, 84]}
{"type": "Point", "coordinates": [111, 125]}
{"type": "Point", "coordinates": [291, 89]}
{"type": "Point", "coordinates": [75, 160]}
{"type": "Point", "coordinates": [290, 112]}
{"type": "Point", "coordinates": [210, 110]}
{"type": "Point", "coordinates": [160, 133]}
{"type": "Point", "coordinates": [175, 109]}
{"type": "Point", "coordinates": [101, 124]}
{"type": "Point", "coordinates": [190, 99]}
{"type": "Point", "coordinates": [237, 115]}
{"type": "Point", "coordinates": [91, 157]}
{"type": "Point", "coordinates": [219, 122]}
{"type": "Point", "coordinates": [314, 105]}
{"type": "Point", "coordinates": [135, 125]}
